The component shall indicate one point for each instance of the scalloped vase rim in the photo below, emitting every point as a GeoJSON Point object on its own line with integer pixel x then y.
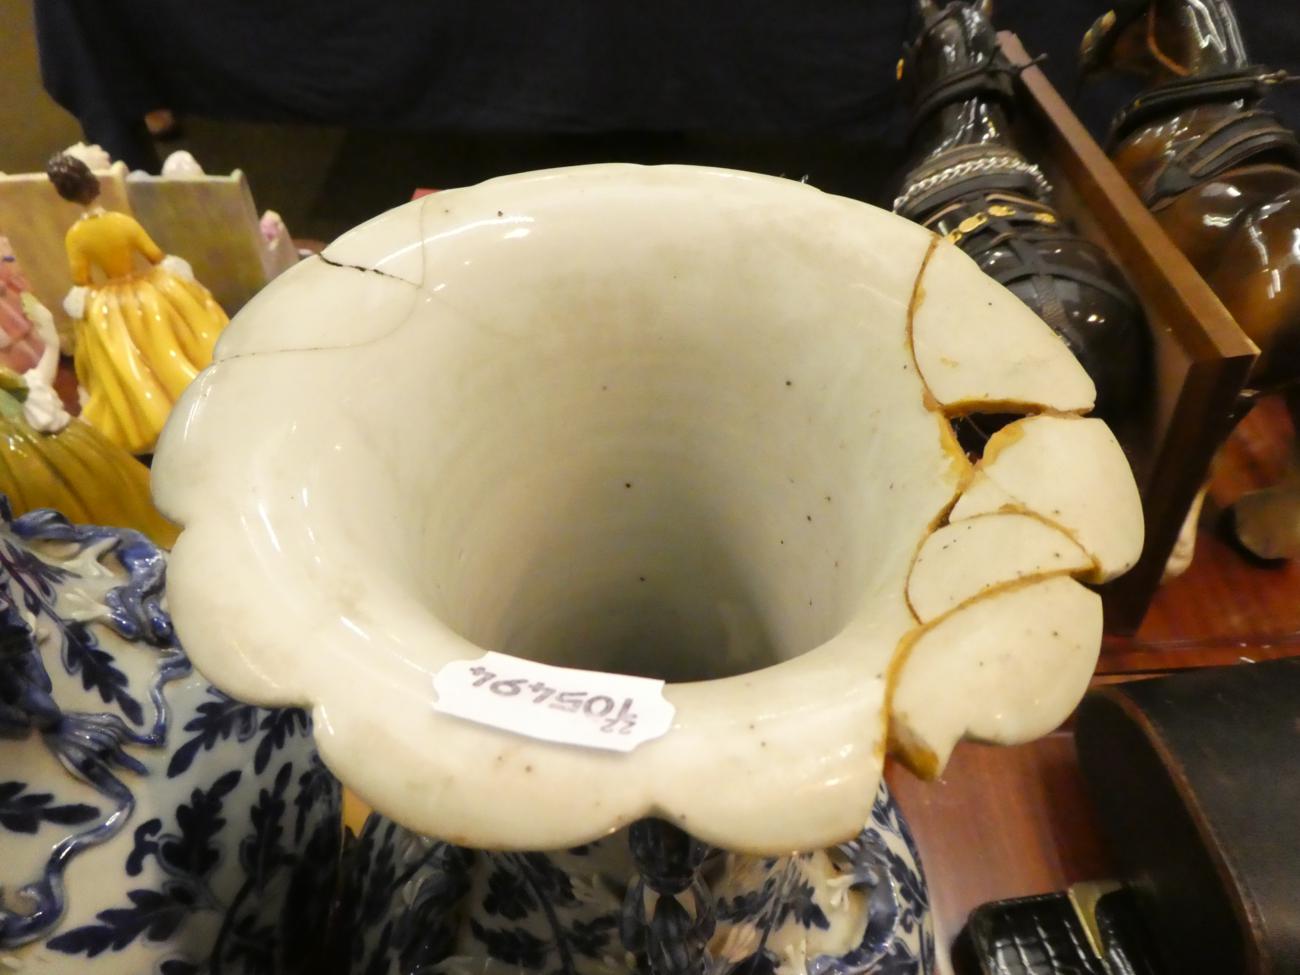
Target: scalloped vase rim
{"type": "Point", "coordinates": [587, 414]}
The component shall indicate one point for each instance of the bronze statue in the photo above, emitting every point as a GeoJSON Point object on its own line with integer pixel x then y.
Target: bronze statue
{"type": "Point", "coordinates": [1222, 176]}
{"type": "Point", "coordinates": [966, 179]}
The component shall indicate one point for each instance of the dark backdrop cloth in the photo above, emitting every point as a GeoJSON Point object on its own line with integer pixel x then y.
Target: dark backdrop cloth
{"type": "Point", "coordinates": [789, 70]}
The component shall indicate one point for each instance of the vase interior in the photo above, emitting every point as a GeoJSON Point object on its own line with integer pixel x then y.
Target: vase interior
{"type": "Point", "coordinates": [635, 460]}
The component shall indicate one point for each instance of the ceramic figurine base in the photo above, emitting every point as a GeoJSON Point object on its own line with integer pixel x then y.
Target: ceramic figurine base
{"type": "Point", "coordinates": [148, 823]}
{"type": "Point", "coordinates": [647, 899]}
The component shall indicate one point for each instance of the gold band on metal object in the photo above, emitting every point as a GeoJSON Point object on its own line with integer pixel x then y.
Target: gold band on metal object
{"type": "Point", "coordinates": [967, 226]}
{"type": "Point", "coordinates": [977, 220]}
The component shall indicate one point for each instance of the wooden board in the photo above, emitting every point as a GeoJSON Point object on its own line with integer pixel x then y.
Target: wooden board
{"type": "Point", "coordinates": [210, 221]}
{"type": "Point", "coordinates": [1201, 357]}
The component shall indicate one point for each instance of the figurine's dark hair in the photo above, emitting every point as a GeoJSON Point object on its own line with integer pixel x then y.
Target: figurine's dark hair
{"type": "Point", "coordinates": [73, 179]}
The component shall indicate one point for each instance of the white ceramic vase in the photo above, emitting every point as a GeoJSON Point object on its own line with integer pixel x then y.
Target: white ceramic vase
{"type": "Point", "coordinates": [680, 423]}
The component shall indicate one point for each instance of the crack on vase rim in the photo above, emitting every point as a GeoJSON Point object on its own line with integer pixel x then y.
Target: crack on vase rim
{"type": "Point", "coordinates": [915, 755]}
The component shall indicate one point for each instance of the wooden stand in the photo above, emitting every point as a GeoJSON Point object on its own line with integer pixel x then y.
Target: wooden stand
{"type": "Point", "coordinates": [1200, 357]}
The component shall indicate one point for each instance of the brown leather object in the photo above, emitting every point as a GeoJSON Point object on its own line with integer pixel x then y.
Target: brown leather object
{"type": "Point", "coordinates": [1196, 778]}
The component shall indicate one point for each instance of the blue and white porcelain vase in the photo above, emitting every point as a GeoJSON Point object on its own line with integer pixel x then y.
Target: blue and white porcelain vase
{"type": "Point", "coordinates": [148, 822]}
{"type": "Point", "coordinates": [647, 899]}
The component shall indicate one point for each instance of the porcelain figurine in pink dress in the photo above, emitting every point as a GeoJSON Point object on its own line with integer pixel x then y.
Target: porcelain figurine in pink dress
{"type": "Point", "coordinates": [20, 346]}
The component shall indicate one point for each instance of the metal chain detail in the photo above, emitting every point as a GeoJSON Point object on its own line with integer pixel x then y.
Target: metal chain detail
{"type": "Point", "coordinates": [986, 164]}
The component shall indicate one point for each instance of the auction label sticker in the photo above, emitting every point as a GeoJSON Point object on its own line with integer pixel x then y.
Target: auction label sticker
{"type": "Point", "coordinates": [574, 707]}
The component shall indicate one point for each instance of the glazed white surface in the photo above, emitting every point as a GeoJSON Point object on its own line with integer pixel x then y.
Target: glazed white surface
{"type": "Point", "coordinates": [666, 421]}
{"type": "Point", "coordinates": [968, 367]}
{"type": "Point", "coordinates": [1071, 472]}
{"type": "Point", "coordinates": [963, 560]}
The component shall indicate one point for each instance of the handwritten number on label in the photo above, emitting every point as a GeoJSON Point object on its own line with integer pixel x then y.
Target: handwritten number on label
{"type": "Point", "coordinates": [624, 721]}
{"type": "Point", "coordinates": [599, 707]}
{"type": "Point", "coordinates": [610, 711]}
{"type": "Point", "coordinates": [568, 700]}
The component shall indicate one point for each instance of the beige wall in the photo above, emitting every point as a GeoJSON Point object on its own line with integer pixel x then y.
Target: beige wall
{"type": "Point", "coordinates": [32, 127]}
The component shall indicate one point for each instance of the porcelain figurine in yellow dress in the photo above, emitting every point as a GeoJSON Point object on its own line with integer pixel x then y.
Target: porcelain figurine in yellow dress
{"type": "Point", "coordinates": [144, 326]}
{"type": "Point", "coordinates": [48, 459]}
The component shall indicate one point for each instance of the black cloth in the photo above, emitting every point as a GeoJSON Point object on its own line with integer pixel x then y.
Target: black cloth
{"type": "Point", "coordinates": [518, 66]}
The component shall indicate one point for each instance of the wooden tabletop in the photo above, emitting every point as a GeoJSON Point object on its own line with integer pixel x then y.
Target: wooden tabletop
{"type": "Point", "coordinates": [1000, 823]}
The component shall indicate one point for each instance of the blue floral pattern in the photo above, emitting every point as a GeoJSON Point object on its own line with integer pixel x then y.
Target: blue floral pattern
{"type": "Point", "coordinates": [654, 901]}
{"type": "Point", "coordinates": [220, 825]}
